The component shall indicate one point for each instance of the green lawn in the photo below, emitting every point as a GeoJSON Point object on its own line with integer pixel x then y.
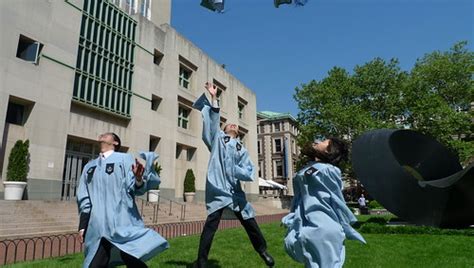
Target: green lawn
{"type": "Point", "coordinates": [231, 248]}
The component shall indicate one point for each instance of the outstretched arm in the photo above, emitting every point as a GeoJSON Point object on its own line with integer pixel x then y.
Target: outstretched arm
{"type": "Point", "coordinates": [212, 89]}
{"type": "Point", "coordinates": [210, 115]}
{"type": "Point", "coordinates": [133, 175]}
{"type": "Point", "coordinates": [141, 178]}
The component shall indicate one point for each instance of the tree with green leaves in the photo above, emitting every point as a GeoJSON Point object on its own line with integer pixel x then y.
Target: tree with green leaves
{"type": "Point", "coordinates": [439, 98]}
{"type": "Point", "coordinates": [435, 98]}
{"type": "Point", "coordinates": [18, 161]}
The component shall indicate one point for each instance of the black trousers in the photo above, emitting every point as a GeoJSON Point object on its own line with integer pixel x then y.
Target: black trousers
{"type": "Point", "coordinates": [210, 228]}
{"type": "Point", "coordinates": [102, 257]}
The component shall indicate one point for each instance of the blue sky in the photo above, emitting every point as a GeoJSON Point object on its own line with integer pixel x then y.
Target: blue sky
{"type": "Point", "coordinates": [274, 50]}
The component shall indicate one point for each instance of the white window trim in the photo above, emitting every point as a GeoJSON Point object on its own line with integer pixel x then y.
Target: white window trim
{"type": "Point", "coordinates": [241, 112]}
{"type": "Point", "coordinates": [182, 118]}
{"type": "Point", "coordinates": [181, 78]}
{"type": "Point", "coordinates": [275, 169]}
{"type": "Point", "coordinates": [145, 9]}
{"type": "Point", "coordinates": [274, 145]}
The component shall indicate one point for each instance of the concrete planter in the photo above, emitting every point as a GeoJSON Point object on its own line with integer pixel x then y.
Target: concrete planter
{"type": "Point", "coordinates": [14, 189]}
{"type": "Point", "coordinates": [189, 197]}
{"type": "Point", "coordinates": [153, 195]}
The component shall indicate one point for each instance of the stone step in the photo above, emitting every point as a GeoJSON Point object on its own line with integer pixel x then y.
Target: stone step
{"type": "Point", "coordinates": [38, 203]}
{"type": "Point", "coordinates": [35, 224]}
{"type": "Point", "coordinates": [23, 218]}
{"type": "Point", "coordinates": [12, 236]}
{"type": "Point", "coordinates": [35, 218]}
{"type": "Point", "coordinates": [10, 233]}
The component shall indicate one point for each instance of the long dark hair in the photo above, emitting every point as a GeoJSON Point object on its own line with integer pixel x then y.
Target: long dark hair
{"type": "Point", "coordinates": [337, 152]}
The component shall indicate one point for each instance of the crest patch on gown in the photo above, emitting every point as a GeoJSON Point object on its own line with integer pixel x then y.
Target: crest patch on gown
{"type": "Point", "coordinates": [310, 171]}
{"type": "Point", "coordinates": [238, 146]}
{"type": "Point", "coordinates": [109, 168]}
{"type": "Point", "coordinates": [226, 139]}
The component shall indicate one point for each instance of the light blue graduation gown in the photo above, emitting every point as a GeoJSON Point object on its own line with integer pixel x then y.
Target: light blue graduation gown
{"type": "Point", "coordinates": [319, 220]}
{"type": "Point", "coordinates": [228, 165]}
{"type": "Point", "coordinates": [107, 190]}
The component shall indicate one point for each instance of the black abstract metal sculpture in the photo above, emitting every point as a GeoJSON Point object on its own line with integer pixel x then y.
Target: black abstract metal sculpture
{"type": "Point", "coordinates": [415, 177]}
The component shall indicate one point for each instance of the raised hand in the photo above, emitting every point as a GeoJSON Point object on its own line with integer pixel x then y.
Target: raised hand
{"type": "Point", "coordinates": [138, 170]}
{"type": "Point", "coordinates": [211, 88]}
{"type": "Point", "coordinates": [81, 236]}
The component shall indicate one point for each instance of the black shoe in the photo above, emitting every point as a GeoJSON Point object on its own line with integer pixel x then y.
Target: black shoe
{"type": "Point", "coordinates": [199, 264]}
{"type": "Point", "coordinates": [267, 258]}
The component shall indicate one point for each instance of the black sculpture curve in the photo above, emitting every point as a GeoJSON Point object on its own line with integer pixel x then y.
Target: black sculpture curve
{"type": "Point", "coordinates": [415, 177]}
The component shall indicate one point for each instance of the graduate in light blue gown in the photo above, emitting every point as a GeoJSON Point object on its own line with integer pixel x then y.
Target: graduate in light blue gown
{"type": "Point", "coordinates": [319, 220]}
{"type": "Point", "coordinates": [229, 164]}
{"type": "Point", "coordinates": [110, 226]}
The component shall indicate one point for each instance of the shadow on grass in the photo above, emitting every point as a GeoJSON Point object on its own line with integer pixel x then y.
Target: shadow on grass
{"type": "Point", "coordinates": [67, 258]}
{"type": "Point", "coordinates": [210, 264]}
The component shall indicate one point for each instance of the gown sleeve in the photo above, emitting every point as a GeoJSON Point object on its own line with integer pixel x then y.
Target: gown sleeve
{"type": "Point", "coordinates": [151, 180]}
{"type": "Point", "coordinates": [211, 120]}
{"type": "Point", "coordinates": [245, 170]}
{"type": "Point", "coordinates": [83, 200]}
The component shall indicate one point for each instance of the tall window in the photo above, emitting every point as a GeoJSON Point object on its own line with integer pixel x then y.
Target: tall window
{"type": "Point", "coordinates": [277, 127]}
{"type": "Point", "coordinates": [260, 168]}
{"type": "Point", "coordinates": [131, 6]}
{"type": "Point", "coordinates": [241, 110]}
{"type": "Point", "coordinates": [183, 117]}
{"type": "Point", "coordinates": [184, 77]}
{"type": "Point", "coordinates": [145, 9]}
{"type": "Point", "coordinates": [259, 151]}
{"type": "Point", "coordinates": [105, 58]}
{"type": "Point", "coordinates": [279, 168]}
{"type": "Point", "coordinates": [241, 103]}
{"type": "Point", "coordinates": [277, 145]}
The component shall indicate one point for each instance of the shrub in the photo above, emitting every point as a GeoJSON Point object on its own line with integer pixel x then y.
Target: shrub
{"type": "Point", "coordinates": [375, 205]}
{"type": "Point", "coordinates": [375, 228]}
{"type": "Point", "coordinates": [189, 179]}
{"type": "Point", "coordinates": [157, 167]}
{"type": "Point", "coordinates": [17, 169]}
